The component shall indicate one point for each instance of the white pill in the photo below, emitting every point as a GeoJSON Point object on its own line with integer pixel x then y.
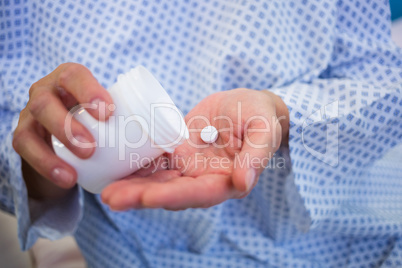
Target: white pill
{"type": "Point", "coordinates": [209, 134]}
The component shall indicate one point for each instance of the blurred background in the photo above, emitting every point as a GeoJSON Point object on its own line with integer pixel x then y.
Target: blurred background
{"type": "Point", "coordinates": [64, 253]}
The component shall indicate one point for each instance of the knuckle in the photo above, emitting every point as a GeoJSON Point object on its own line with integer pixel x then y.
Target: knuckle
{"type": "Point", "coordinates": [69, 71]}
{"type": "Point", "coordinates": [34, 87]}
{"type": "Point", "coordinates": [38, 103]}
{"type": "Point", "coordinates": [23, 115]}
{"type": "Point", "coordinates": [18, 139]}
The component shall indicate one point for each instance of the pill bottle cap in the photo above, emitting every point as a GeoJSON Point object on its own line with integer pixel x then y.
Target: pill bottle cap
{"type": "Point", "coordinates": [165, 123]}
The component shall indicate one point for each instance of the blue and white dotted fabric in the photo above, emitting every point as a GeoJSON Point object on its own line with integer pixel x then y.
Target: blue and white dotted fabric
{"type": "Point", "coordinates": [337, 200]}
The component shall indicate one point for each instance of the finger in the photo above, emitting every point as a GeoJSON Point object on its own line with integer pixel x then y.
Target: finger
{"type": "Point", "coordinates": [160, 163]}
{"type": "Point", "coordinates": [260, 142]}
{"type": "Point", "coordinates": [127, 193]}
{"type": "Point", "coordinates": [48, 110]}
{"type": "Point", "coordinates": [39, 156]}
{"type": "Point", "coordinates": [135, 178]}
{"type": "Point", "coordinates": [77, 80]}
{"type": "Point", "coordinates": [187, 192]}
{"type": "Point", "coordinates": [153, 173]}
{"type": "Point", "coordinates": [66, 98]}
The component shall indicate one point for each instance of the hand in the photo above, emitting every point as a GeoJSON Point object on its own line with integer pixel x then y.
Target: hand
{"type": "Point", "coordinates": [203, 175]}
{"type": "Point", "coordinates": [44, 115]}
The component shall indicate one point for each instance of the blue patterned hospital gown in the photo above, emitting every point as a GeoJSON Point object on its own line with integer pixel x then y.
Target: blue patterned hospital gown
{"type": "Point", "coordinates": [338, 200]}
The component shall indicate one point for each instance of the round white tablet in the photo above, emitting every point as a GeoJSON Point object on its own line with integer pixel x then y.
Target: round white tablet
{"type": "Point", "coordinates": [209, 134]}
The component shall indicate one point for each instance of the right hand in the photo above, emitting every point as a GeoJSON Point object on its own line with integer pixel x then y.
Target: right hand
{"type": "Point", "coordinates": [45, 114]}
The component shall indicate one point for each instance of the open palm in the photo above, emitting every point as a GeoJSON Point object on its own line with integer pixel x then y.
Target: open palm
{"type": "Point", "coordinates": [202, 175]}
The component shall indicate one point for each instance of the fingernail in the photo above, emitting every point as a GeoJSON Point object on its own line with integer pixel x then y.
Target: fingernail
{"type": "Point", "coordinates": [62, 176]}
{"type": "Point", "coordinates": [85, 146]}
{"type": "Point", "coordinates": [250, 179]}
{"type": "Point", "coordinates": [104, 109]}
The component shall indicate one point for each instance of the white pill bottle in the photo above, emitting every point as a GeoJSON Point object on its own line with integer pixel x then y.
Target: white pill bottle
{"type": "Point", "coordinates": [144, 125]}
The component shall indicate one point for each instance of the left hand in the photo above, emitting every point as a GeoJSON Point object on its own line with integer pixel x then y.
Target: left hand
{"type": "Point", "coordinates": [203, 175]}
